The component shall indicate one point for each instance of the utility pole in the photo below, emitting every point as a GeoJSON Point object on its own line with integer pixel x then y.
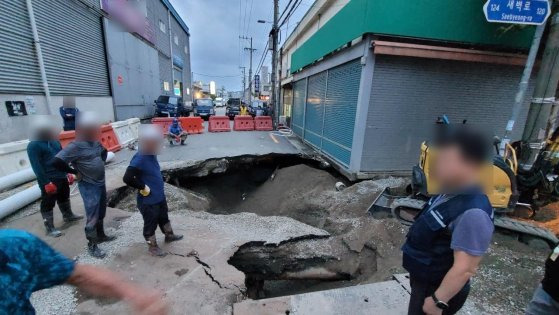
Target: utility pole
{"type": "Point", "coordinates": [542, 108]}
{"type": "Point", "coordinates": [244, 82]}
{"type": "Point", "coordinates": [274, 34]}
{"type": "Point", "coordinates": [251, 50]}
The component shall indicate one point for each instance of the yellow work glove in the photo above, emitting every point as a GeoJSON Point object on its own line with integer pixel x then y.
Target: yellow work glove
{"type": "Point", "coordinates": [145, 192]}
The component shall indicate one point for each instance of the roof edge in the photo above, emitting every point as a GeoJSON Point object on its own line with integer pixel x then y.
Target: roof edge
{"type": "Point", "coordinates": [176, 15]}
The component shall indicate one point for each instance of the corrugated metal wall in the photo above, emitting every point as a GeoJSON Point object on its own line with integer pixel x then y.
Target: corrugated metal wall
{"type": "Point", "coordinates": [314, 112]}
{"type": "Point", "coordinates": [340, 110]}
{"type": "Point", "coordinates": [19, 71]}
{"type": "Point", "coordinates": [329, 111]}
{"type": "Point", "coordinates": [73, 48]}
{"type": "Point", "coordinates": [299, 97]}
{"type": "Point", "coordinates": [409, 93]}
{"type": "Point", "coordinates": [135, 73]}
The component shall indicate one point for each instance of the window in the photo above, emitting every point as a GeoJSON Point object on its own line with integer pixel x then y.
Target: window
{"type": "Point", "coordinates": [162, 26]}
{"type": "Point", "coordinates": [176, 39]}
{"type": "Point", "coordinates": [186, 50]}
{"type": "Point", "coordinates": [166, 86]}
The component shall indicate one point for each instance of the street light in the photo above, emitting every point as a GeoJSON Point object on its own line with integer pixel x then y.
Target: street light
{"type": "Point", "coordinates": [263, 22]}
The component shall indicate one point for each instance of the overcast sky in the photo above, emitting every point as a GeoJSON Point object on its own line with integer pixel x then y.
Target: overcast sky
{"type": "Point", "coordinates": [215, 27]}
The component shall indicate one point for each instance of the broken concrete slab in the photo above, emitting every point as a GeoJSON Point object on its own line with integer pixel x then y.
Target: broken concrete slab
{"type": "Point", "coordinates": [387, 298]}
{"type": "Point", "coordinates": [206, 283]}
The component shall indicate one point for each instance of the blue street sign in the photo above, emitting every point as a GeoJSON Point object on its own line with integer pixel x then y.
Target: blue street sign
{"type": "Point", "coordinates": [532, 12]}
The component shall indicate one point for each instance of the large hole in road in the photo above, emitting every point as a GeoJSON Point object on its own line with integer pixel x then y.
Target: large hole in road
{"type": "Point", "coordinates": [360, 249]}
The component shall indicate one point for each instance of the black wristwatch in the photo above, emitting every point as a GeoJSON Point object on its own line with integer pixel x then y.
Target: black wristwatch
{"type": "Point", "coordinates": [438, 303]}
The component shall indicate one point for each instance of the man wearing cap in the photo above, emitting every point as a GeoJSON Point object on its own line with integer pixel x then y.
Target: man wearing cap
{"type": "Point", "coordinates": [87, 156]}
{"type": "Point", "coordinates": [144, 174]}
{"type": "Point", "coordinates": [448, 239]}
{"type": "Point", "coordinates": [54, 184]}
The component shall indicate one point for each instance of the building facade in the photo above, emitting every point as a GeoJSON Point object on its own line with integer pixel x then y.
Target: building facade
{"type": "Point", "coordinates": [366, 94]}
{"type": "Point", "coordinates": [111, 57]}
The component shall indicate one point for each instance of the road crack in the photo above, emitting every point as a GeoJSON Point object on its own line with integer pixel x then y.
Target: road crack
{"type": "Point", "coordinates": [205, 266]}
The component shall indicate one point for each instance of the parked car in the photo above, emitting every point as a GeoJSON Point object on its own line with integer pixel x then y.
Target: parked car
{"type": "Point", "coordinates": [171, 106]}
{"type": "Point", "coordinates": [258, 108]}
{"type": "Point", "coordinates": [233, 107]}
{"type": "Point", "coordinates": [204, 107]}
{"type": "Point", "coordinates": [219, 102]}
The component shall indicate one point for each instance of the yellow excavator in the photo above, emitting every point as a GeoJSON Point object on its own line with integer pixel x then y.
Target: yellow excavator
{"type": "Point", "coordinates": [515, 194]}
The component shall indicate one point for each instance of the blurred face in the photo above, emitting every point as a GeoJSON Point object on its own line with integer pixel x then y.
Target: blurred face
{"type": "Point", "coordinates": [150, 146]}
{"type": "Point", "coordinates": [89, 133]}
{"type": "Point", "coordinates": [452, 171]}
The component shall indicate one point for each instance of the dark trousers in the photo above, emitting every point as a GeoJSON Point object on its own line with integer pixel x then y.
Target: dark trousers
{"type": "Point", "coordinates": [154, 215]}
{"type": "Point", "coordinates": [420, 290]}
{"type": "Point", "coordinates": [61, 196]}
{"type": "Point", "coordinates": [95, 203]}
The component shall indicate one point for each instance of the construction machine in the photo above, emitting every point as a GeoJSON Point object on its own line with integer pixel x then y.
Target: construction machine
{"type": "Point", "coordinates": [515, 193]}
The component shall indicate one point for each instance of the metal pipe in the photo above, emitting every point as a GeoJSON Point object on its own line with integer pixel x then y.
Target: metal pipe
{"type": "Point", "coordinates": [16, 179]}
{"type": "Point", "coordinates": [39, 53]}
{"type": "Point", "coordinates": [19, 200]}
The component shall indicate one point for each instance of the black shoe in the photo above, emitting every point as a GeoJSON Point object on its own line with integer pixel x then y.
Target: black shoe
{"type": "Point", "coordinates": [95, 251]}
{"type": "Point", "coordinates": [48, 220]}
{"type": "Point", "coordinates": [67, 213]}
{"type": "Point", "coordinates": [170, 236]}
{"type": "Point", "coordinates": [153, 248]}
{"type": "Point", "coordinates": [101, 236]}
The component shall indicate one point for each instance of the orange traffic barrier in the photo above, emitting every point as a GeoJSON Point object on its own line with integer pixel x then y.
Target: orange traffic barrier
{"type": "Point", "coordinates": [243, 123]}
{"type": "Point", "coordinates": [107, 138]}
{"type": "Point", "coordinates": [263, 123]}
{"type": "Point", "coordinates": [164, 122]}
{"type": "Point", "coordinates": [65, 137]}
{"type": "Point", "coordinates": [219, 124]}
{"type": "Point", "coordinates": [192, 124]}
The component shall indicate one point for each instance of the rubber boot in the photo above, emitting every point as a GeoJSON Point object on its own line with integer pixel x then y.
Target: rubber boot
{"type": "Point", "coordinates": [101, 236]}
{"type": "Point", "coordinates": [169, 235]}
{"type": "Point", "coordinates": [48, 220]}
{"type": "Point", "coordinates": [67, 213]}
{"type": "Point", "coordinates": [92, 248]}
{"type": "Point", "coordinates": [153, 248]}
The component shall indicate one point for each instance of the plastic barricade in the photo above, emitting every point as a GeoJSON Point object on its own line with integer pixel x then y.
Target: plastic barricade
{"type": "Point", "coordinates": [263, 123]}
{"type": "Point", "coordinates": [243, 123]}
{"type": "Point", "coordinates": [219, 124]}
{"type": "Point", "coordinates": [192, 125]}
{"type": "Point", "coordinates": [163, 122]}
{"type": "Point", "coordinates": [65, 137]}
{"type": "Point", "coordinates": [109, 139]}
{"type": "Point", "coordinates": [123, 132]}
{"type": "Point", "coordinates": [14, 157]}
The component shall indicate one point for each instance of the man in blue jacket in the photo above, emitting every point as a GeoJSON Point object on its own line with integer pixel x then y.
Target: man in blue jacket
{"type": "Point", "coordinates": [449, 237]}
{"type": "Point", "coordinates": [54, 184]}
{"type": "Point", "coordinates": [144, 174]}
{"type": "Point", "coordinates": [176, 131]}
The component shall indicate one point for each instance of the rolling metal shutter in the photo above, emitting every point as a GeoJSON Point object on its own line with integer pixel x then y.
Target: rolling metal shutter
{"type": "Point", "coordinates": [340, 110]}
{"type": "Point", "coordinates": [19, 71]}
{"type": "Point", "coordinates": [408, 94]}
{"type": "Point", "coordinates": [73, 49]}
{"type": "Point", "coordinates": [314, 113]}
{"type": "Point", "coordinates": [299, 96]}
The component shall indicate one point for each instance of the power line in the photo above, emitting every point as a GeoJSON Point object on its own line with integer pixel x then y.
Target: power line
{"type": "Point", "coordinates": [285, 10]}
{"type": "Point", "coordinates": [293, 8]}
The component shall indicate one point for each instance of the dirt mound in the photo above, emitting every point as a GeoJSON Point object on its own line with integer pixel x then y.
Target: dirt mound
{"type": "Point", "coordinates": [294, 192]}
{"type": "Point", "coordinates": [177, 199]}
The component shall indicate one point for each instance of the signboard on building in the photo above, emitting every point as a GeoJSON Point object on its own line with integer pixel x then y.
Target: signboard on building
{"type": "Point", "coordinates": [16, 108]}
{"type": "Point", "coordinates": [531, 12]}
{"type": "Point", "coordinates": [256, 83]}
{"type": "Point", "coordinates": [130, 17]}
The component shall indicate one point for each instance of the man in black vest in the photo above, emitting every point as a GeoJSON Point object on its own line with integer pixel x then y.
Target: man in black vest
{"type": "Point", "coordinates": [546, 297]}
{"type": "Point", "coordinates": [445, 244]}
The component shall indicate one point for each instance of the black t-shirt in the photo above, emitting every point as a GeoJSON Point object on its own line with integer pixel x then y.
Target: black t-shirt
{"type": "Point", "coordinates": [550, 281]}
